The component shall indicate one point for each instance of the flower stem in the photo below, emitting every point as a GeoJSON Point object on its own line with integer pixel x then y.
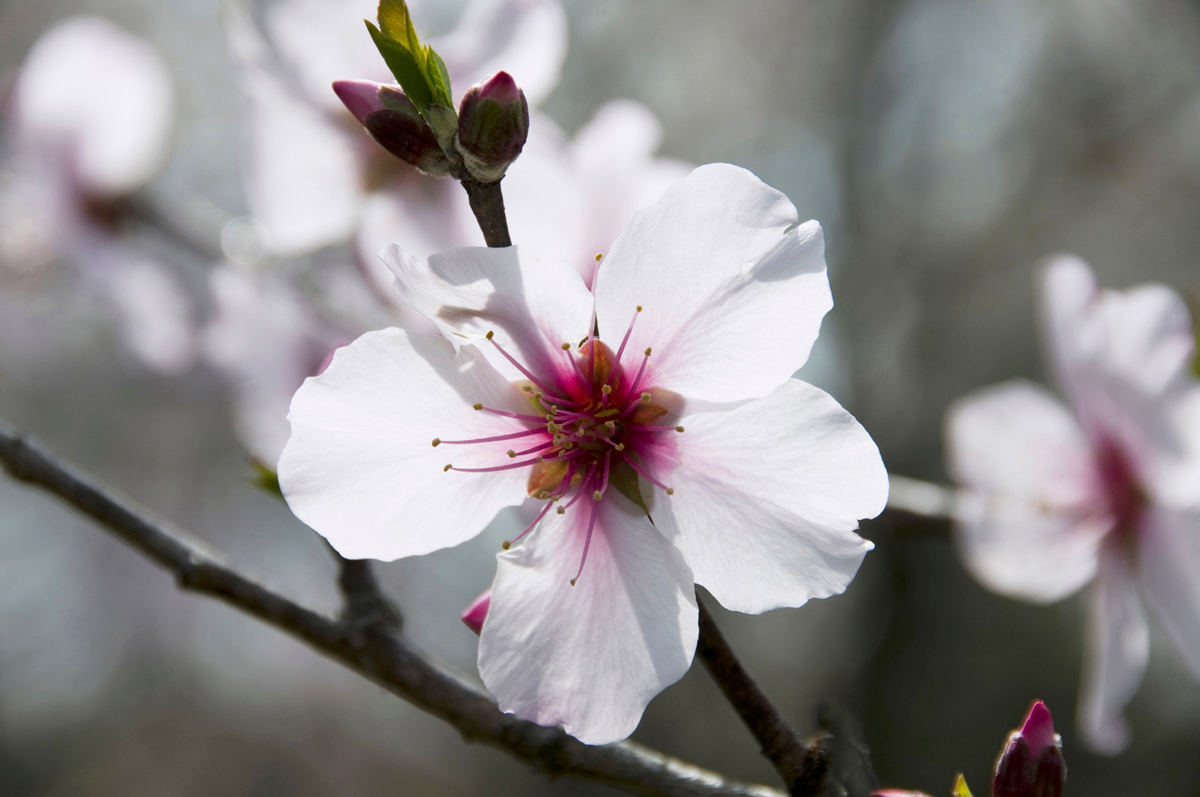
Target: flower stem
{"type": "Point", "coordinates": [801, 768]}
{"type": "Point", "coordinates": [487, 203]}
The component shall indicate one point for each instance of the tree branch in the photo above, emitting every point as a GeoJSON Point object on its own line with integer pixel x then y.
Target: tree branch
{"type": "Point", "coordinates": [372, 649]}
{"type": "Point", "coordinates": [487, 203]}
{"type": "Point", "coordinates": [801, 772]}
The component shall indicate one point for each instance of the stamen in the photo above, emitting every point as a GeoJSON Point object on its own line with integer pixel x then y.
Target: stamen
{"type": "Point", "coordinates": [494, 468]}
{"type": "Point", "coordinates": [496, 439]}
{"type": "Point", "coordinates": [587, 542]}
{"type": "Point", "coordinates": [538, 419]}
{"type": "Point", "coordinates": [637, 380]}
{"type": "Point", "coordinates": [649, 478]}
{"type": "Point", "coordinates": [648, 428]}
{"type": "Point", "coordinates": [528, 374]}
{"type": "Point", "coordinates": [508, 543]}
{"type": "Point", "coordinates": [628, 332]}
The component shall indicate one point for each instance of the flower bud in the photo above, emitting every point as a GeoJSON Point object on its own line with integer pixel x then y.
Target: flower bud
{"type": "Point", "coordinates": [1031, 764]}
{"type": "Point", "coordinates": [475, 613]}
{"type": "Point", "coordinates": [394, 122]}
{"type": "Point", "coordinates": [493, 123]}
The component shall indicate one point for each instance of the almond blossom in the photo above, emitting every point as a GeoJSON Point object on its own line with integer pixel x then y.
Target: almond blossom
{"type": "Point", "coordinates": [1104, 490]}
{"type": "Point", "coordinates": [649, 428]}
{"type": "Point", "coordinates": [78, 151]}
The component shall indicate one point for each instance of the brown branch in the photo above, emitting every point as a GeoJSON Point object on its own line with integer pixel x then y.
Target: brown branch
{"type": "Point", "coordinates": [779, 742]}
{"type": "Point", "coordinates": [487, 203]}
{"type": "Point", "coordinates": [372, 649]}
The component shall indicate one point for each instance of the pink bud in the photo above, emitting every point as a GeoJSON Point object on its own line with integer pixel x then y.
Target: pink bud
{"type": "Point", "coordinates": [475, 613]}
{"type": "Point", "coordinates": [493, 123]}
{"type": "Point", "coordinates": [1032, 763]}
{"type": "Point", "coordinates": [361, 97]}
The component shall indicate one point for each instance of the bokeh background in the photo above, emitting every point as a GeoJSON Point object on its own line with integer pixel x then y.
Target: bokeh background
{"type": "Point", "coordinates": [947, 147]}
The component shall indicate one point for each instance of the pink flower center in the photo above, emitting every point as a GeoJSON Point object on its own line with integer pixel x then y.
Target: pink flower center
{"type": "Point", "coordinates": [593, 425]}
{"type": "Point", "coordinates": [1119, 486]}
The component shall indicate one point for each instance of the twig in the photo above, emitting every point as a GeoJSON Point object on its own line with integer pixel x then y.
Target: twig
{"type": "Point", "coordinates": [487, 203]}
{"type": "Point", "coordinates": [373, 650]}
{"type": "Point", "coordinates": [779, 742]}
{"type": "Point", "coordinates": [920, 498]}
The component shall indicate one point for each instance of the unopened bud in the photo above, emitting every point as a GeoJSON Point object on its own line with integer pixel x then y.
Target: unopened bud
{"type": "Point", "coordinates": [473, 616]}
{"type": "Point", "coordinates": [1032, 763]}
{"type": "Point", "coordinates": [394, 122]}
{"type": "Point", "coordinates": [493, 123]}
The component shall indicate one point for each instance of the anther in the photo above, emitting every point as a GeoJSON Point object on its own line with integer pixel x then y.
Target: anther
{"type": "Point", "coordinates": [572, 582]}
{"type": "Point", "coordinates": [478, 406]}
{"type": "Point", "coordinates": [619, 446]}
{"type": "Point", "coordinates": [646, 398]}
{"type": "Point", "coordinates": [639, 308]}
{"type": "Point", "coordinates": [527, 388]}
{"type": "Point", "coordinates": [437, 441]}
{"type": "Point", "coordinates": [447, 468]}
{"type": "Point", "coordinates": [512, 454]}
{"type": "Point", "coordinates": [506, 544]}
{"type": "Point", "coordinates": [670, 491]}
{"type": "Point", "coordinates": [599, 256]}
{"type": "Point", "coordinates": [566, 347]}
{"type": "Point", "coordinates": [562, 510]}
{"type": "Point", "coordinates": [648, 350]}
{"type": "Point", "coordinates": [611, 426]}
{"type": "Point", "coordinates": [606, 389]}
{"type": "Point", "coordinates": [597, 495]}
{"type": "Point", "coordinates": [489, 334]}
{"type": "Point", "coordinates": [679, 428]}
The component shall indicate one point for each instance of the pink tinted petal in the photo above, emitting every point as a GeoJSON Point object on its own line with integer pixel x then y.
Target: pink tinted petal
{"type": "Point", "coordinates": [767, 497]}
{"type": "Point", "coordinates": [531, 305]}
{"type": "Point", "coordinates": [1038, 728]}
{"type": "Point", "coordinates": [589, 657]}
{"type": "Point", "coordinates": [1029, 524]}
{"type": "Point", "coordinates": [1169, 571]}
{"type": "Point", "coordinates": [474, 615]}
{"type": "Point", "coordinates": [303, 179]}
{"type": "Point", "coordinates": [526, 38]}
{"type": "Point", "coordinates": [360, 467]}
{"type": "Point", "coordinates": [733, 287]}
{"type": "Point", "coordinates": [101, 98]}
{"type": "Point", "coordinates": [1117, 649]}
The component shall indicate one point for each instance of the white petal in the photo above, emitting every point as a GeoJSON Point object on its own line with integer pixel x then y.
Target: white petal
{"type": "Point", "coordinates": [1117, 649]}
{"type": "Point", "coordinates": [102, 98]}
{"type": "Point", "coordinates": [589, 657]}
{"type": "Point", "coordinates": [303, 177]}
{"type": "Point", "coordinates": [767, 496]}
{"type": "Point", "coordinates": [1023, 525]}
{"type": "Point", "coordinates": [1169, 570]}
{"type": "Point", "coordinates": [531, 305]}
{"type": "Point", "coordinates": [733, 289]}
{"type": "Point", "coordinates": [155, 313]}
{"type": "Point", "coordinates": [526, 38]}
{"type": "Point", "coordinates": [359, 467]}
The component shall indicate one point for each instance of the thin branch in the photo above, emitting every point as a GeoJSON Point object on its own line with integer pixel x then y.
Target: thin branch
{"type": "Point", "coordinates": [779, 742]}
{"type": "Point", "coordinates": [920, 498]}
{"type": "Point", "coordinates": [487, 203]}
{"type": "Point", "coordinates": [373, 650]}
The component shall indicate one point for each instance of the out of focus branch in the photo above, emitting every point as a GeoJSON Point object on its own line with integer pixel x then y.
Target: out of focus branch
{"type": "Point", "coordinates": [366, 642]}
{"type": "Point", "coordinates": [920, 498]}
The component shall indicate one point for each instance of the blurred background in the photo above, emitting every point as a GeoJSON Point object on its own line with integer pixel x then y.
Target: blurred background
{"type": "Point", "coordinates": [946, 147]}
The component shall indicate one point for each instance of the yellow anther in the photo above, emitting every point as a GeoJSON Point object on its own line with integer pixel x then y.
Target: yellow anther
{"type": "Point", "coordinates": [572, 582]}
{"type": "Point", "coordinates": [648, 350]}
{"type": "Point", "coordinates": [506, 544]}
{"type": "Point", "coordinates": [611, 426]}
{"type": "Point", "coordinates": [670, 491]}
{"type": "Point", "coordinates": [448, 467]}
{"type": "Point", "coordinates": [437, 441]}
{"type": "Point", "coordinates": [646, 398]}
{"type": "Point", "coordinates": [599, 256]}
{"type": "Point", "coordinates": [619, 446]}
{"type": "Point", "coordinates": [478, 407]}
{"type": "Point", "coordinates": [562, 510]}
{"type": "Point", "coordinates": [527, 388]}
{"type": "Point", "coordinates": [566, 347]}
{"type": "Point", "coordinates": [639, 308]}
{"type": "Point", "coordinates": [597, 495]}
{"type": "Point", "coordinates": [489, 334]}
{"type": "Point", "coordinates": [512, 454]}
{"type": "Point", "coordinates": [679, 428]}
{"type": "Point", "coordinates": [606, 389]}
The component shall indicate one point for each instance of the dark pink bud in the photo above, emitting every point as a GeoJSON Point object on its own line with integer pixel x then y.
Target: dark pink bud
{"type": "Point", "coordinates": [394, 122]}
{"type": "Point", "coordinates": [493, 123]}
{"type": "Point", "coordinates": [474, 614]}
{"type": "Point", "coordinates": [1032, 763]}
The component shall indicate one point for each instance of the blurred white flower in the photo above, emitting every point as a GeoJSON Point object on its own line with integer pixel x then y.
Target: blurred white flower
{"type": "Point", "coordinates": [685, 413]}
{"type": "Point", "coordinates": [1105, 490]}
{"type": "Point", "coordinates": [89, 121]}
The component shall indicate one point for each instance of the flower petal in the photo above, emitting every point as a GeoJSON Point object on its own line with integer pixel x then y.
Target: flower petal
{"type": "Point", "coordinates": [526, 38]}
{"type": "Point", "coordinates": [767, 496]}
{"type": "Point", "coordinates": [532, 306]}
{"type": "Point", "coordinates": [359, 467]}
{"type": "Point", "coordinates": [1168, 564]}
{"type": "Point", "coordinates": [1117, 649]}
{"type": "Point", "coordinates": [1025, 528]}
{"type": "Point", "coordinates": [101, 98]}
{"type": "Point", "coordinates": [589, 657]}
{"type": "Point", "coordinates": [733, 289]}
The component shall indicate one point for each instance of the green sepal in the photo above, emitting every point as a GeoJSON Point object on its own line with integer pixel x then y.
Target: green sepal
{"type": "Point", "coordinates": [439, 78]}
{"type": "Point", "coordinates": [624, 479]}
{"type": "Point", "coordinates": [403, 64]}
{"type": "Point", "coordinates": [419, 70]}
{"type": "Point", "coordinates": [960, 787]}
{"type": "Point", "coordinates": [265, 478]}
